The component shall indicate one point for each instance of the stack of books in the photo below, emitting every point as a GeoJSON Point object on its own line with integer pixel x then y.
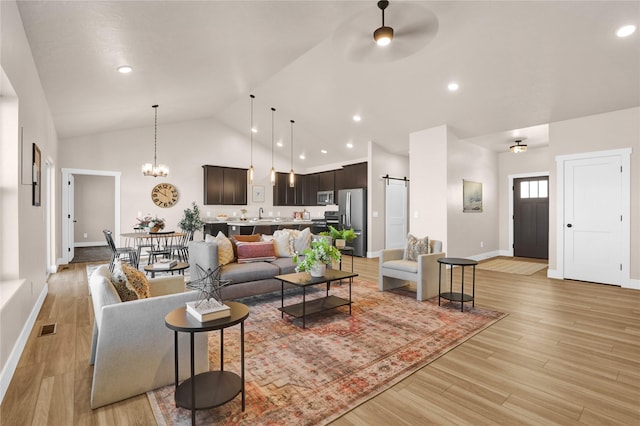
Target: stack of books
{"type": "Point", "coordinates": [208, 310]}
{"type": "Point", "coordinates": [165, 264]}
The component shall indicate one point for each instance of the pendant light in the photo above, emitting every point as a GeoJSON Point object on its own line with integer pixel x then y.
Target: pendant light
{"type": "Point", "coordinates": [154, 169]}
{"type": "Point", "coordinates": [383, 35]}
{"type": "Point", "coordinates": [292, 175]}
{"type": "Point", "coordinates": [273, 170]}
{"type": "Point", "coordinates": [250, 171]}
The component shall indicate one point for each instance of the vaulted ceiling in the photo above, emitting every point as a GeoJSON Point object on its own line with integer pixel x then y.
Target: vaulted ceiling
{"type": "Point", "coordinates": [519, 66]}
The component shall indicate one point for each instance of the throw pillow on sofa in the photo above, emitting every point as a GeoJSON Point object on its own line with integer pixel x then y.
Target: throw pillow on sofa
{"type": "Point", "coordinates": [299, 240]}
{"type": "Point", "coordinates": [256, 252]}
{"type": "Point", "coordinates": [225, 248]}
{"type": "Point", "coordinates": [235, 239]}
{"type": "Point", "coordinates": [281, 242]}
{"type": "Point", "coordinates": [415, 247]}
{"type": "Point", "coordinates": [136, 281]}
{"type": "Point", "coordinates": [119, 282]}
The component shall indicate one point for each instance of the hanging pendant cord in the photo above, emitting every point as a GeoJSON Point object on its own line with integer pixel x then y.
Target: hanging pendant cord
{"type": "Point", "coordinates": [155, 138]}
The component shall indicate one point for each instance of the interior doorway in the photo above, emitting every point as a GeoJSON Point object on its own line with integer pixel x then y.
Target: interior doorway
{"type": "Point", "coordinates": [531, 217]}
{"type": "Point", "coordinates": [68, 203]}
{"type": "Point", "coordinates": [396, 212]}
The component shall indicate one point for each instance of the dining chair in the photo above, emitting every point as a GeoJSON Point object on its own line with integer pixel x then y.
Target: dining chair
{"type": "Point", "coordinates": [128, 254]}
{"type": "Point", "coordinates": [180, 248]}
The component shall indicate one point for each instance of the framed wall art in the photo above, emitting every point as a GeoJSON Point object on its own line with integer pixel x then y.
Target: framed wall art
{"type": "Point", "coordinates": [471, 197]}
{"type": "Point", "coordinates": [36, 179]}
{"type": "Point", "coordinates": [258, 194]}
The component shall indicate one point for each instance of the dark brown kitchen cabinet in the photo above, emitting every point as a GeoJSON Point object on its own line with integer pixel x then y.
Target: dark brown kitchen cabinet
{"type": "Point", "coordinates": [225, 185]}
{"type": "Point", "coordinates": [352, 176]}
{"type": "Point", "coordinates": [326, 181]}
{"type": "Point", "coordinates": [284, 195]}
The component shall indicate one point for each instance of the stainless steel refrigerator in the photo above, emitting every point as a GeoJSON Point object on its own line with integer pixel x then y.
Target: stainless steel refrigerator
{"type": "Point", "coordinates": [352, 206]}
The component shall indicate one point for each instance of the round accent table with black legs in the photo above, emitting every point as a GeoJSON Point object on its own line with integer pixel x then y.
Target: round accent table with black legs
{"type": "Point", "coordinates": [212, 388]}
{"type": "Point", "coordinates": [455, 296]}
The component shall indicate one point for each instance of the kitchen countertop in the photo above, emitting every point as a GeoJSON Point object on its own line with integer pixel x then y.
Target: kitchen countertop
{"type": "Point", "coordinates": [250, 222]}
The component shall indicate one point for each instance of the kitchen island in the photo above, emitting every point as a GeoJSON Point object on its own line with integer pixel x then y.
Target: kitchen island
{"type": "Point", "coordinates": [259, 226]}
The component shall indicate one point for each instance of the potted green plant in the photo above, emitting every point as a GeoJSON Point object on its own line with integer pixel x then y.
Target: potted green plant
{"type": "Point", "coordinates": [316, 258]}
{"type": "Point", "coordinates": [191, 221]}
{"type": "Point", "coordinates": [341, 236]}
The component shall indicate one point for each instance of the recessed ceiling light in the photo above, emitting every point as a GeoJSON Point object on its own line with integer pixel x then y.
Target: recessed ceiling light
{"type": "Point", "coordinates": [349, 145]}
{"type": "Point", "coordinates": [302, 157]}
{"type": "Point", "coordinates": [125, 69]}
{"type": "Point", "coordinates": [279, 143]}
{"type": "Point", "coordinates": [254, 130]}
{"type": "Point", "coordinates": [324, 151]}
{"type": "Point", "coordinates": [357, 118]}
{"type": "Point", "coordinates": [453, 86]}
{"type": "Point", "coordinates": [626, 31]}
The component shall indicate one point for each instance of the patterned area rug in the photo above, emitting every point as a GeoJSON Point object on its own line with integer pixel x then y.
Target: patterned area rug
{"type": "Point", "coordinates": [511, 266]}
{"type": "Point", "coordinates": [312, 376]}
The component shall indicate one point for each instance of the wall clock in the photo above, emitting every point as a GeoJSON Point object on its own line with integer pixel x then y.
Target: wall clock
{"type": "Point", "coordinates": [164, 195]}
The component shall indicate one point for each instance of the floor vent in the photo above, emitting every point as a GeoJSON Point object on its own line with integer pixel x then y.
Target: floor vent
{"type": "Point", "coordinates": [48, 329]}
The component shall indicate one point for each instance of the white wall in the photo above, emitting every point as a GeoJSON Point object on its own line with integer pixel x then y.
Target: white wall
{"type": "Point", "coordinates": [20, 299]}
{"type": "Point", "coordinates": [612, 130]}
{"type": "Point", "coordinates": [428, 187]}
{"type": "Point", "coordinates": [471, 234]}
{"type": "Point", "coordinates": [381, 163]}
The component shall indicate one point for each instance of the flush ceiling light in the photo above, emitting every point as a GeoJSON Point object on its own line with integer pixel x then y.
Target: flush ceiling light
{"type": "Point", "coordinates": [349, 145]}
{"type": "Point", "coordinates": [519, 146]}
{"type": "Point", "coordinates": [324, 151]}
{"type": "Point", "coordinates": [626, 31]}
{"type": "Point", "coordinates": [154, 169]}
{"type": "Point", "coordinates": [125, 69]}
{"type": "Point", "coordinates": [383, 35]}
{"type": "Point", "coordinates": [453, 86]}
{"type": "Point", "coordinates": [272, 175]}
{"type": "Point", "coordinates": [252, 131]}
{"type": "Point", "coordinates": [302, 156]}
{"type": "Point", "coordinates": [357, 118]}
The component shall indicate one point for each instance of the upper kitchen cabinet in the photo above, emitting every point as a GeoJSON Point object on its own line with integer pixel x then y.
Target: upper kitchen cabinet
{"type": "Point", "coordinates": [326, 181]}
{"type": "Point", "coordinates": [225, 185]}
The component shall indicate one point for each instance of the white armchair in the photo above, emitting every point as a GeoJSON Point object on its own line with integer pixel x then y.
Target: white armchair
{"type": "Point", "coordinates": [132, 349]}
{"type": "Point", "coordinates": [395, 272]}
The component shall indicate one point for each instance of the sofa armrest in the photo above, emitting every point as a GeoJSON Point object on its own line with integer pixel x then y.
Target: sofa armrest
{"type": "Point", "coordinates": [203, 254]}
{"type": "Point", "coordinates": [135, 349]}
{"type": "Point", "coordinates": [391, 254]}
{"type": "Point", "coordinates": [428, 268]}
{"type": "Point", "coordinates": [167, 285]}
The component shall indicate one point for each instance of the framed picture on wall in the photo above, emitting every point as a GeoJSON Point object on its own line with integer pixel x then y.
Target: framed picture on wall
{"type": "Point", "coordinates": [471, 197]}
{"type": "Point", "coordinates": [36, 181]}
{"type": "Point", "coordinates": [258, 194]}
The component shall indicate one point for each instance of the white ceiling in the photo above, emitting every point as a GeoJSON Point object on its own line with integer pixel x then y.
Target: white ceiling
{"type": "Point", "coordinates": [519, 65]}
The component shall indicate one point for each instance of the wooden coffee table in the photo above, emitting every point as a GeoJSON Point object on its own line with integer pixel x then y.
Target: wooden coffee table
{"type": "Point", "coordinates": [303, 280]}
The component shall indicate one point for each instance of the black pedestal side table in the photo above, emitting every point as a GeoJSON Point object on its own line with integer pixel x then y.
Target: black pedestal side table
{"type": "Point", "coordinates": [212, 388]}
{"type": "Point", "coordinates": [455, 296]}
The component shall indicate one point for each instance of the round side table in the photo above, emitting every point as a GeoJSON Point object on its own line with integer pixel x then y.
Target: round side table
{"type": "Point", "coordinates": [211, 388]}
{"type": "Point", "coordinates": [455, 296]}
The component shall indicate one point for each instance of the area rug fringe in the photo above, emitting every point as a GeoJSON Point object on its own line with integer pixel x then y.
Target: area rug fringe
{"type": "Point", "coordinates": [314, 376]}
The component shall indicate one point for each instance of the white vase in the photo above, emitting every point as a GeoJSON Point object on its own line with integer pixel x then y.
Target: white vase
{"type": "Point", "coordinates": [318, 270]}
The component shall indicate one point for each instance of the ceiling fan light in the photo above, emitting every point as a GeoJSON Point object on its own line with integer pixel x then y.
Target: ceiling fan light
{"type": "Point", "coordinates": [383, 35]}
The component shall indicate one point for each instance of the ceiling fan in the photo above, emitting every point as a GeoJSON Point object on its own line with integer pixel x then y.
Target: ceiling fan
{"type": "Point", "coordinates": [406, 29]}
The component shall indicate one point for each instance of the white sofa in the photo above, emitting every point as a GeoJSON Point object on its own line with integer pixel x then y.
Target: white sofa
{"type": "Point", "coordinates": [395, 272]}
{"type": "Point", "coordinates": [132, 349]}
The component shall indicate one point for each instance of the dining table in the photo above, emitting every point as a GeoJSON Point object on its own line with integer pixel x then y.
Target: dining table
{"type": "Point", "coordinates": [154, 241]}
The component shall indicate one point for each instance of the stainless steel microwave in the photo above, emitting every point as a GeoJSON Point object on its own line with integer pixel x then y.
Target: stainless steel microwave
{"type": "Point", "coordinates": [325, 197]}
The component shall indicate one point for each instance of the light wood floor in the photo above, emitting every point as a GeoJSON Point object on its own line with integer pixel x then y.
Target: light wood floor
{"type": "Point", "coordinates": [568, 353]}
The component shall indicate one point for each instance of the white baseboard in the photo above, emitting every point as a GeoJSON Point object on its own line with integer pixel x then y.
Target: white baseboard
{"type": "Point", "coordinates": [90, 244]}
{"type": "Point", "coordinates": [487, 255]}
{"type": "Point", "coordinates": [631, 283]}
{"type": "Point", "coordinates": [12, 362]}
{"type": "Point", "coordinates": [555, 274]}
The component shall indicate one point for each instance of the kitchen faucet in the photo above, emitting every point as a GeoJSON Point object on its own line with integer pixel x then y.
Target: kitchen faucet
{"type": "Point", "coordinates": [260, 212]}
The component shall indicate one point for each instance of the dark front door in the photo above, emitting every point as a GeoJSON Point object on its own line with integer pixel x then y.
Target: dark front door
{"type": "Point", "coordinates": [531, 217]}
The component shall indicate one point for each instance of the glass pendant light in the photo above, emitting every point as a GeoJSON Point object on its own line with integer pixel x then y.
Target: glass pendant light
{"type": "Point", "coordinates": [273, 170]}
{"type": "Point", "coordinates": [250, 171]}
{"type": "Point", "coordinates": [154, 169]}
{"type": "Point", "coordinates": [292, 175]}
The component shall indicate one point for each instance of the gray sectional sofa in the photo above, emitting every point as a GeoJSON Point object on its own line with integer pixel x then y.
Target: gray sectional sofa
{"type": "Point", "coordinates": [247, 279]}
